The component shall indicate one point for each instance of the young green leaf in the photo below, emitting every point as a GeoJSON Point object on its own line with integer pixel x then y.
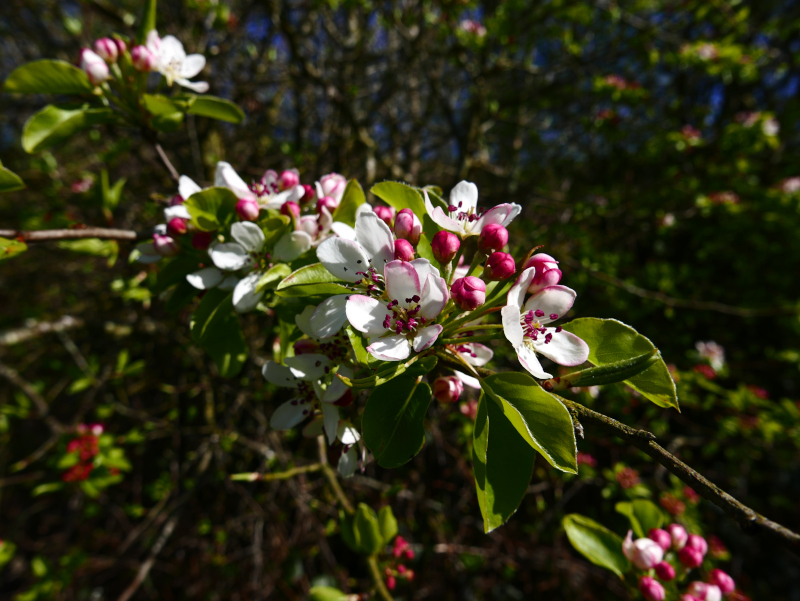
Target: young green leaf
{"type": "Point", "coordinates": [644, 515]}
{"type": "Point", "coordinates": [216, 329]}
{"type": "Point", "coordinates": [326, 593]}
{"type": "Point", "coordinates": [400, 196]}
{"type": "Point", "coordinates": [352, 199]}
{"type": "Point", "coordinates": [55, 123]}
{"type": "Point", "coordinates": [10, 181]}
{"type": "Point", "coordinates": [357, 342]}
{"type": "Point", "coordinates": [311, 280]}
{"type": "Point", "coordinates": [367, 530]}
{"type": "Point", "coordinates": [48, 77]}
{"type": "Point", "coordinates": [211, 208]}
{"type": "Point", "coordinates": [216, 108]}
{"type": "Point", "coordinates": [596, 543]}
{"type": "Point", "coordinates": [11, 248]}
{"type": "Point", "coordinates": [388, 524]}
{"type": "Point", "coordinates": [611, 341]}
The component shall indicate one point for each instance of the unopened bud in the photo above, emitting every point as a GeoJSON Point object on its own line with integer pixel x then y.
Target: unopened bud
{"type": "Point", "coordinates": [690, 557]}
{"type": "Point", "coordinates": [176, 200]}
{"type": "Point", "coordinates": [679, 536]}
{"type": "Point", "coordinates": [403, 251]}
{"type": "Point", "coordinates": [385, 213]}
{"type": "Point", "coordinates": [493, 237]}
{"type": "Point", "coordinates": [202, 240]}
{"type": "Point", "coordinates": [142, 59]}
{"type": "Point", "coordinates": [309, 225]}
{"type": "Point", "coordinates": [247, 209]}
{"type": "Point", "coordinates": [722, 580]}
{"type": "Point", "coordinates": [447, 389]}
{"type": "Point", "coordinates": [327, 202]}
{"type": "Point", "coordinates": [391, 583]}
{"type": "Point", "coordinates": [107, 49]}
{"type": "Point", "coordinates": [695, 541]}
{"type": "Point", "coordinates": [333, 185]}
{"type": "Point", "coordinates": [651, 589]}
{"type": "Point", "coordinates": [445, 245]}
{"type": "Point", "coordinates": [290, 208]}
{"type": "Point", "coordinates": [309, 195]}
{"type": "Point", "coordinates": [704, 591]}
{"type": "Point", "coordinates": [468, 293]}
{"type": "Point", "coordinates": [94, 67]}
{"type": "Point", "coordinates": [165, 245]}
{"type": "Point", "coordinates": [660, 536]}
{"type": "Point", "coordinates": [288, 179]}
{"type": "Point", "coordinates": [176, 227]}
{"type": "Point", "coordinates": [122, 47]}
{"type": "Point", "coordinates": [547, 272]}
{"type": "Point", "coordinates": [408, 226]}
{"type": "Point", "coordinates": [688, 597]}
{"type": "Point", "coordinates": [499, 266]}
{"type": "Point", "coordinates": [643, 552]}
{"type": "Point", "coordinates": [665, 571]}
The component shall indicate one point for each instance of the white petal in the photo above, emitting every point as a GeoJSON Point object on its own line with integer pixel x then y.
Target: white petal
{"type": "Point", "coordinates": [226, 177]}
{"type": "Point", "coordinates": [402, 283]}
{"type": "Point", "coordinates": [348, 434]}
{"type": "Point", "coordinates": [187, 187]}
{"type": "Point", "coordinates": [288, 415]}
{"type": "Point", "coordinates": [530, 361]}
{"type": "Point", "coordinates": [476, 354]}
{"type": "Point", "coordinates": [249, 235]}
{"type": "Point", "coordinates": [330, 413]}
{"type": "Point", "coordinates": [343, 230]}
{"type": "Point", "coordinates": [343, 258]}
{"type": "Point", "coordinates": [512, 328]}
{"type": "Point", "coordinates": [363, 208]}
{"type": "Point", "coordinates": [329, 316]}
{"type": "Point", "coordinates": [201, 87]}
{"type": "Point", "coordinates": [320, 191]}
{"type": "Point", "coordinates": [246, 295]}
{"type": "Point", "coordinates": [366, 314]}
{"type": "Point", "coordinates": [204, 279]}
{"type": "Point", "coordinates": [426, 337]}
{"type": "Point", "coordinates": [516, 295]}
{"type": "Point", "coordinates": [229, 283]}
{"type": "Point", "coordinates": [376, 239]}
{"type": "Point", "coordinates": [468, 380]}
{"type": "Point", "coordinates": [193, 64]}
{"type": "Point", "coordinates": [171, 213]}
{"type": "Point", "coordinates": [391, 348]}
{"type": "Point", "coordinates": [337, 389]}
{"type": "Point", "coordinates": [147, 253]}
{"type": "Point", "coordinates": [278, 374]}
{"type": "Point", "coordinates": [440, 219]}
{"type": "Point", "coordinates": [464, 196]}
{"type": "Point", "coordinates": [553, 300]}
{"type": "Point", "coordinates": [501, 215]}
{"type": "Point", "coordinates": [153, 42]}
{"type": "Point", "coordinates": [229, 256]}
{"type": "Point", "coordinates": [434, 297]}
{"type": "Point", "coordinates": [348, 463]}
{"type": "Point", "coordinates": [302, 321]}
{"type": "Point", "coordinates": [309, 367]}
{"type": "Point", "coordinates": [172, 49]}
{"type": "Point", "coordinates": [424, 267]}
{"type": "Point", "coordinates": [292, 245]}
{"type": "Point", "coordinates": [564, 348]}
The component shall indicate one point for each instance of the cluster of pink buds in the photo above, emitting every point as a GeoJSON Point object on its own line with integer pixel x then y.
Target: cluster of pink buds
{"type": "Point", "coordinates": [400, 549]}
{"type": "Point", "coordinates": [86, 446]}
{"type": "Point", "coordinates": [95, 62]}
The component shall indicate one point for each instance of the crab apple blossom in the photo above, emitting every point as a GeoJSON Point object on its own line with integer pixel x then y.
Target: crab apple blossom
{"type": "Point", "coordinates": [665, 571]}
{"type": "Point", "coordinates": [524, 326]}
{"type": "Point", "coordinates": [266, 191]}
{"type": "Point", "coordinates": [408, 226]}
{"type": "Point", "coordinates": [288, 179]}
{"type": "Point", "coordinates": [722, 580]}
{"type": "Point", "coordinates": [174, 64]}
{"type": "Point", "coordinates": [547, 272]}
{"type": "Point", "coordinates": [94, 67]}
{"type": "Point", "coordinates": [107, 49]}
{"type": "Point", "coordinates": [142, 59]}
{"type": "Point", "coordinates": [469, 293]}
{"type": "Point", "coordinates": [704, 591]}
{"type": "Point", "coordinates": [447, 389]}
{"type": "Point", "coordinates": [690, 557]}
{"type": "Point", "coordinates": [417, 295]}
{"type": "Point", "coordinates": [499, 266]}
{"type": "Point", "coordinates": [679, 536]}
{"type": "Point", "coordinates": [463, 216]}
{"type": "Point", "coordinates": [385, 213]}
{"type": "Point", "coordinates": [445, 246]}
{"type": "Point", "coordinates": [643, 552]}
{"type": "Point", "coordinates": [290, 208]}
{"type": "Point", "coordinates": [327, 203]}
{"type": "Point", "coordinates": [333, 185]}
{"type": "Point", "coordinates": [177, 227]}
{"type": "Point", "coordinates": [403, 251]}
{"type": "Point", "coordinates": [493, 237]}
{"type": "Point", "coordinates": [247, 210]}
{"type": "Point", "coordinates": [651, 589]}
{"type": "Point", "coordinates": [662, 537]}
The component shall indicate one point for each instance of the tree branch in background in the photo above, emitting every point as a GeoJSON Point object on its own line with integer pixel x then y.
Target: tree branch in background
{"type": "Point", "coordinates": [38, 328]}
{"type": "Point", "coordinates": [104, 233]}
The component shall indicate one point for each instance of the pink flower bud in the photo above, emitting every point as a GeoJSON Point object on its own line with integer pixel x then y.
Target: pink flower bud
{"type": "Point", "coordinates": [690, 557]}
{"type": "Point", "coordinates": [391, 583]}
{"type": "Point", "coordinates": [176, 200]}
{"type": "Point", "coordinates": [447, 389]}
{"type": "Point", "coordinates": [408, 226]}
{"type": "Point", "coordinates": [122, 47]}
{"type": "Point", "coordinates": [288, 179]}
{"type": "Point", "coordinates": [106, 48]}
{"type": "Point", "coordinates": [202, 240]}
{"type": "Point", "coordinates": [290, 208]}
{"type": "Point", "coordinates": [499, 266]}
{"type": "Point", "coordinates": [493, 237]}
{"type": "Point", "coordinates": [662, 537]}
{"type": "Point", "coordinates": [665, 571]}
{"type": "Point", "coordinates": [445, 245]}
{"type": "Point", "coordinates": [679, 536]}
{"type": "Point", "coordinates": [385, 213]}
{"type": "Point", "coordinates": [688, 597]}
{"type": "Point", "coordinates": [704, 591]}
{"type": "Point", "coordinates": [176, 227]}
{"type": "Point", "coordinates": [643, 552]}
{"type": "Point", "coordinates": [333, 185]}
{"type": "Point", "coordinates": [247, 209]}
{"type": "Point", "coordinates": [306, 346]}
{"type": "Point", "coordinates": [403, 251]}
{"type": "Point", "coordinates": [547, 272]}
{"type": "Point", "coordinates": [327, 202]}
{"type": "Point", "coordinates": [651, 589]}
{"type": "Point", "coordinates": [94, 66]}
{"type": "Point", "coordinates": [165, 245]}
{"type": "Point", "coordinates": [469, 293]}
{"type": "Point", "coordinates": [142, 59]}
{"type": "Point", "coordinates": [309, 196]}
{"type": "Point", "coordinates": [309, 225]}
{"type": "Point", "coordinates": [695, 541]}
{"type": "Point", "coordinates": [722, 580]}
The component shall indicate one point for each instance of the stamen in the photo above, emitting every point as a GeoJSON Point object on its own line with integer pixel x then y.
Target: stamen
{"type": "Point", "coordinates": [539, 313]}
{"type": "Point", "coordinates": [558, 329]}
{"type": "Point", "coordinates": [554, 316]}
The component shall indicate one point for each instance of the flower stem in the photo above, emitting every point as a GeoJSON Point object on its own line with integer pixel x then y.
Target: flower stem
{"type": "Point", "coordinates": [375, 572]}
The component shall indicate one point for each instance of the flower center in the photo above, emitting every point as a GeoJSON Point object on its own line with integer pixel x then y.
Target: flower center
{"type": "Point", "coordinates": [372, 283]}
{"type": "Point", "coordinates": [404, 320]}
{"type": "Point", "coordinates": [465, 217]}
{"type": "Point", "coordinates": [263, 190]}
{"type": "Point", "coordinates": [532, 327]}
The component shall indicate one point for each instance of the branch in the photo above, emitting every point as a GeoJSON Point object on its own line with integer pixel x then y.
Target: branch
{"type": "Point", "coordinates": [12, 375]}
{"type": "Point", "coordinates": [172, 171]}
{"type": "Point", "coordinates": [37, 329]}
{"type": "Point", "coordinates": [748, 519]}
{"type": "Point", "coordinates": [103, 233]}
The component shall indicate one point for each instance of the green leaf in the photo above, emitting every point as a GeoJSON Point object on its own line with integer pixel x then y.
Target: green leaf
{"type": "Point", "coordinates": [596, 543]}
{"type": "Point", "coordinates": [388, 524]}
{"type": "Point", "coordinates": [367, 530]}
{"type": "Point", "coordinates": [400, 196]}
{"type": "Point", "coordinates": [93, 246]}
{"type": "Point", "coordinates": [273, 276]}
{"type": "Point", "coordinates": [181, 296]}
{"type": "Point", "coordinates": [502, 464]}
{"type": "Point", "coordinates": [610, 341]}
{"type": "Point", "coordinates": [158, 104]}
{"type": "Point", "coordinates": [311, 280]}
{"type": "Point", "coordinates": [216, 329]}
{"type": "Point", "coordinates": [10, 181]}
{"type": "Point", "coordinates": [11, 248]}
{"type": "Point", "coordinates": [392, 420]}
{"type": "Point", "coordinates": [604, 374]}
{"type": "Point", "coordinates": [167, 123]}
{"type": "Point", "coordinates": [644, 515]}
{"type": "Point", "coordinates": [326, 593]}
{"type": "Point", "coordinates": [216, 108]}
{"type": "Point", "coordinates": [352, 199]}
{"type": "Point", "coordinates": [357, 342]}
{"type": "Point", "coordinates": [211, 209]}
{"type": "Point", "coordinates": [48, 77]}
{"type": "Point", "coordinates": [110, 195]}
{"type": "Point", "coordinates": [46, 488]}
{"type": "Point", "coordinates": [55, 123]}
{"type": "Point", "coordinates": [7, 550]}
{"type": "Point", "coordinates": [392, 369]}
{"type": "Point", "coordinates": [538, 416]}
{"type": "Point", "coordinates": [148, 21]}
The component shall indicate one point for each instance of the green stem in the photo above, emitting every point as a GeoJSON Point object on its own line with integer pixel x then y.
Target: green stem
{"type": "Point", "coordinates": [285, 475]}
{"type": "Point", "coordinates": [375, 572]}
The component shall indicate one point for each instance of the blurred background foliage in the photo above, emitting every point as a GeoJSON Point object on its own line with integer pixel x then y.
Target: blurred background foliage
{"type": "Point", "coordinates": [654, 148]}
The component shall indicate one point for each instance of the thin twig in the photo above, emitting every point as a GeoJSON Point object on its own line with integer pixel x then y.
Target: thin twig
{"type": "Point", "coordinates": [11, 374]}
{"type": "Point", "coordinates": [104, 233]}
{"type": "Point", "coordinates": [172, 171]}
{"type": "Point", "coordinates": [36, 329]}
{"type": "Point", "coordinates": [285, 475]}
{"type": "Point", "coordinates": [145, 568]}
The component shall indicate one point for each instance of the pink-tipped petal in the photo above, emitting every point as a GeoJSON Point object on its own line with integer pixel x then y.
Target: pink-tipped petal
{"type": "Point", "coordinates": [434, 297]}
{"type": "Point", "coordinates": [391, 348]}
{"type": "Point", "coordinates": [426, 337]}
{"type": "Point", "coordinates": [530, 361]}
{"type": "Point", "coordinates": [564, 348]}
{"type": "Point", "coordinates": [555, 300]}
{"type": "Point", "coordinates": [366, 314]}
{"type": "Point", "coordinates": [402, 282]}
{"type": "Point", "coordinates": [512, 328]}
{"type": "Point", "coordinates": [516, 295]}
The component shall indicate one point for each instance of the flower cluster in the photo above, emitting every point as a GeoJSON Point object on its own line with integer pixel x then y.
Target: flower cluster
{"type": "Point", "coordinates": [400, 548]}
{"type": "Point", "coordinates": [86, 447]}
